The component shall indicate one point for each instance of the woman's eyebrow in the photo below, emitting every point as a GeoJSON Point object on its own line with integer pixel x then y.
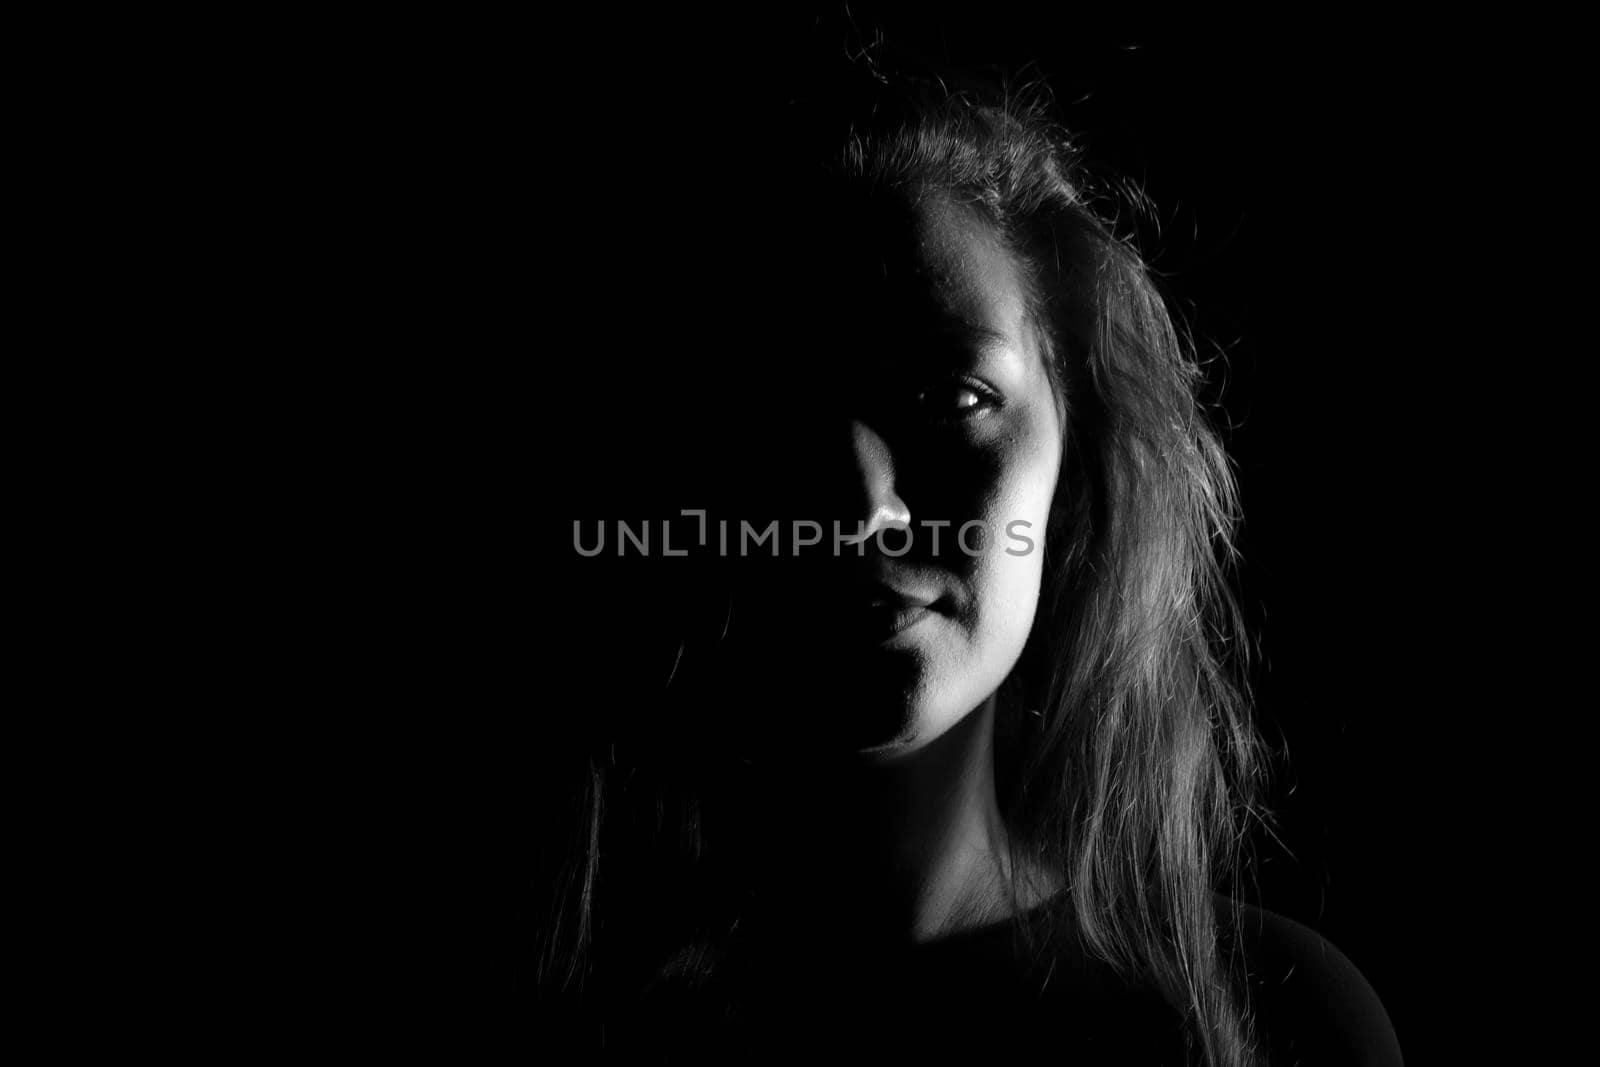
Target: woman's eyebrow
{"type": "Point", "coordinates": [974, 334]}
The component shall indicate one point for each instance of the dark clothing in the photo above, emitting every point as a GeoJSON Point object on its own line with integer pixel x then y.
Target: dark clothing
{"type": "Point", "coordinates": [976, 993]}
{"type": "Point", "coordinates": [1311, 1004]}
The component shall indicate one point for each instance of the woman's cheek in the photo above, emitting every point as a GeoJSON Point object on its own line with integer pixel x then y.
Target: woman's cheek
{"type": "Point", "coordinates": [1015, 555]}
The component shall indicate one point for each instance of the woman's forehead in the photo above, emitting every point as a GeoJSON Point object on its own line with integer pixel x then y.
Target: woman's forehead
{"type": "Point", "coordinates": [882, 280]}
{"type": "Point", "coordinates": [928, 274]}
{"type": "Point", "coordinates": [966, 272]}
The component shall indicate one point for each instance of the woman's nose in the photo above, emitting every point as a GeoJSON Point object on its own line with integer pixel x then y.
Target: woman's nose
{"type": "Point", "coordinates": [876, 505]}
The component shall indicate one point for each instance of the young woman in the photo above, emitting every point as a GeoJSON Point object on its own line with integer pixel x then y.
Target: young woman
{"type": "Point", "coordinates": [955, 755]}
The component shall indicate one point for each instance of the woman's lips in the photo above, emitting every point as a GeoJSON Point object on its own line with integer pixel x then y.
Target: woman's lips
{"type": "Point", "coordinates": [890, 620]}
{"type": "Point", "coordinates": [890, 612]}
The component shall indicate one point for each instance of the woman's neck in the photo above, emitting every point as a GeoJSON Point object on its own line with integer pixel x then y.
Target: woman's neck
{"type": "Point", "coordinates": [911, 846]}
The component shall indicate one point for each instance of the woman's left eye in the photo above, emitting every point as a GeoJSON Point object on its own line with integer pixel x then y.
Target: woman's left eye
{"type": "Point", "coordinates": [957, 399]}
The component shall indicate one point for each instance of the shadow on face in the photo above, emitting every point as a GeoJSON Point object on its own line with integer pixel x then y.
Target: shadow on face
{"type": "Point", "coordinates": [892, 398]}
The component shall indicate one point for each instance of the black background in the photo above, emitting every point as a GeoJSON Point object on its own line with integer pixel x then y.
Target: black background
{"type": "Point", "coordinates": [1310, 224]}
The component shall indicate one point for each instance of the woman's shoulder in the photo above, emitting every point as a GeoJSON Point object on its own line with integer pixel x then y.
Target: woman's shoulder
{"type": "Point", "coordinates": [1311, 1004]}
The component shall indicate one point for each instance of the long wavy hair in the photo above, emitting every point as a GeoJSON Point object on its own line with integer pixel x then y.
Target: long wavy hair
{"type": "Point", "coordinates": [1126, 761]}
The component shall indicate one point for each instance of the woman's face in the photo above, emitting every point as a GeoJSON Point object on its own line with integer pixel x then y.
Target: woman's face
{"type": "Point", "coordinates": [945, 445]}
